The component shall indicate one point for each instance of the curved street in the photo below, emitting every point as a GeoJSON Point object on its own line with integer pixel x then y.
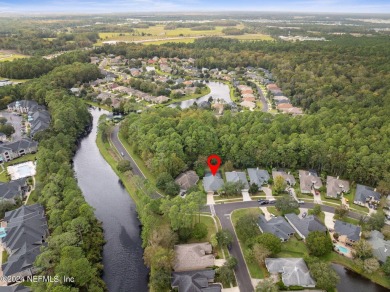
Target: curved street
{"type": "Point", "coordinates": [223, 212]}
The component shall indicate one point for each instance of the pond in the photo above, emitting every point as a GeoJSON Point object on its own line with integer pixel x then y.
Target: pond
{"type": "Point", "coordinates": [218, 90]}
{"type": "Point", "coordinates": [353, 282]}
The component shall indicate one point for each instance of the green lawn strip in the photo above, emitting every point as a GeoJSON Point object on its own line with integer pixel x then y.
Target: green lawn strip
{"type": "Point", "coordinates": [112, 159]}
{"type": "Point", "coordinates": [255, 270]}
{"type": "Point", "coordinates": [4, 256]}
{"type": "Point", "coordinates": [32, 198]}
{"type": "Point", "coordinates": [24, 158]}
{"type": "Point", "coordinates": [228, 201]}
{"type": "Point", "coordinates": [138, 160]}
{"type": "Point", "coordinates": [347, 219]}
{"type": "Point", "coordinates": [4, 176]}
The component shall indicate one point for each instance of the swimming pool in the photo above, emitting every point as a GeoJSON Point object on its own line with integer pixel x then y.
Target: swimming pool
{"type": "Point", "coordinates": [2, 232]}
{"type": "Point", "coordinates": [342, 249]}
{"type": "Point", "coordinates": [21, 170]}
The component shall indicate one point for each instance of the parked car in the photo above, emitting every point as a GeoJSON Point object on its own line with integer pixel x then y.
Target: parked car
{"type": "Point", "coordinates": [263, 202]}
{"type": "Point", "coordinates": [272, 201]}
{"type": "Point", "coordinates": [123, 154]}
{"type": "Point", "coordinates": [304, 214]}
{"type": "Point", "coordinates": [301, 202]}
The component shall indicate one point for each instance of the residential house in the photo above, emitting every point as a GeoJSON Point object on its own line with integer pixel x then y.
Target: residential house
{"type": "Point", "coordinates": [187, 180]}
{"type": "Point", "coordinates": [16, 149]}
{"type": "Point", "coordinates": [309, 180]}
{"type": "Point", "coordinates": [274, 89]}
{"type": "Point", "coordinates": [335, 187]}
{"type": "Point", "coordinates": [212, 183]}
{"type": "Point", "coordinates": [281, 99]}
{"type": "Point", "coordinates": [195, 281]}
{"type": "Point", "coordinates": [39, 121]}
{"type": "Point", "coordinates": [303, 226]}
{"type": "Point", "coordinates": [248, 104]}
{"type": "Point", "coordinates": [294, 271]}
{"type": "Point", "coordinates": [25, 232]}
{"type": "Point", "coordinates": [135, 72]}
{"type": "Point", "coordinates": [258, 176]}
{"type": "Point", "coordinates": [295, 111]}
{"type": "Point", "coordinates": [365, 194]}
{"type": "Point", "coordinates": [283, 106]}
{"type": "Point", "coordinates": [237, 176]}
{"type": "Point", "coordinates": [12, 190]}
{"type": "Point", "coordinates": [380, 246]}
{"type": "Point", "coordinates": [194, 256]}
{"type": "Point", "coordinates": [289, 178]}
{"type": "Point", "coordinates": [348, 233]}
{"type": "Point", "coordinates": [161, 99]}
{"type": "Point", "coordinates": [249, 99]}
{"type": "Point", "coordinates": [75, 91]}
{"type": "Point", "coordinates": [277, 226]}
{"type": "Point", "coordinates": [150, 68]}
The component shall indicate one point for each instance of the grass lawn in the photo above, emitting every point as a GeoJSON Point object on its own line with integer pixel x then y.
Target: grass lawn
{"type": "Point", "coordinates": [32, 198]}
{"type": "Point", "coordinates": [181, 40]}
{"type": "Point", "coordinates": [255, 270]}
{"type": "Point", "coordinates": [4, 256]}
{"type": "Point", "coordinates": [347, 219]}
{"type": "Point", "coordinates": [293, 248]}
{"type": "Point", "coordinates": [10, 56]}
{"type": "Point", "coordinates": [95, 104]}
{"type": "Point", "coordinates": [4, 176]}
{"type": "Point", "coordinates": [24, 158]}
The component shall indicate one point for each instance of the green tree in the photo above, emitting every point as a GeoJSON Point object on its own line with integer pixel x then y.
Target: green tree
{"type": "Point", "coordinates": [279, 185]}
{"type": "Point", "coordinates": [225, 275]}
{"type": "Point", "coordinates": [376, 221]}
{"type": "Point", "coordinates": [386, 266]}
{"type": "Point", "coordinates": [286, 205]}
{"type": "Point", "coordinates": [232, 188]}
{"type": "Point", "coordinates": [224, 237]}
{"type": "Point", "coordinates": [371, 265]}
{"type": "Point", "coordinates": [253, 189]}
{"type": "Point", "coordinates": [319, 243]}
{"type": "Point", "coordinates": [326, 278]}
{"type": "Point", "coordinates": [267, 285]}
{"type": "Point", "coordinates": [362, 249]}
{"type": "Point", "coordinates": [270, 241]}
{"type": "Point", "coordinates": [316, 210]}
{"type": "Point", "coordinates": [123, 165]}
{"type": "Point", "coordinates": [200, 231]}
{"type": "Point", "coordinates": [260, 253]}
{"type": "Point", "coordinates": [247, 228]}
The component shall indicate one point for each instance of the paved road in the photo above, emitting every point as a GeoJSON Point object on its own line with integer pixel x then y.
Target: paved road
{"type": "Point", "coordinates": [118, 145]}
{"type": "Point", "coordinates": [262, 99]}
{"type": "Point", "coordinates": [223, 211]}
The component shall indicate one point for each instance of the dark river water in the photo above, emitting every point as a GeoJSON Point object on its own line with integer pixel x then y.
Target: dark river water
{"type": "Point", "coordinates": [218, 90]}
{"type": "Point", "coordinates": [352, 282]}
{"type": "Point", "coordinates": [124, 269]}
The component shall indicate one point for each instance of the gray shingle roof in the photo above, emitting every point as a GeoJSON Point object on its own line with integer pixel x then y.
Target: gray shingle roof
{"type": "Point", "coordinates": [289, 178]}
{"type": "Point", "coordinates": [294, 271]}
{"type": "Point", "coordinates": [335, 186]}
{"type": "Point", "coordinates": [235, 176]}
{"type": "Point", "coordinates": [305, 225]}
{"type": "Point", "coordinates": [16, 146]}
{"type": "Point", "coordinates": [309, 179]}
{"type": "Point", "coordinates": [380, 246]}
{"type": "Point", "coordinates": [258, 176]}
{"type": "Point", "coordinates": [195, 281]}
{"type": "Point", "coordinates": [23, 103]}
{"type": "Point", "coordinates": [13, 189]}
{"type": "Point", "coordinates": [187, 179]}
{"type": "Point", "coordinates": [351, 231]}
{"type": "Point", "coordinates": [26, 232]}
{"type": "Point", "coordinates": [212, 183]}
{"type": "Point", "coordinates": [364, 192]}
{"type": "Point", "coordinates": [277, 226]}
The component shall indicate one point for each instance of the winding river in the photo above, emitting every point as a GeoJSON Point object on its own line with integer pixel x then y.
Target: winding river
{"type": "Point", "coordinates": [218, 90]}
{"type": "Point", "coordinates": [124, 268]}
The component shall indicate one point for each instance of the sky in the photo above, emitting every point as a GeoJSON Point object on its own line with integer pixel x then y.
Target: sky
{"type": "Point", "coordinates": [128, 6]}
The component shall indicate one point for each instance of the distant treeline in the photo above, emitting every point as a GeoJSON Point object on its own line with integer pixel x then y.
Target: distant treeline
{"type": "Point", "coordinates": [175, 25]}
{"type": "Point", "coordinates": [34, 67]}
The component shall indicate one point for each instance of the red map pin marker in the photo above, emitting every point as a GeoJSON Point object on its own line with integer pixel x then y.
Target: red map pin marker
{"type": "Point", "coordinates": [214, 167]}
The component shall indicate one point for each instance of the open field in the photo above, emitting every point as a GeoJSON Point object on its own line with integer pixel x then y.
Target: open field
{"type": "Point", "coordinates": [157, 35]}
{"type": "Point", "coordinates": [10, 56]}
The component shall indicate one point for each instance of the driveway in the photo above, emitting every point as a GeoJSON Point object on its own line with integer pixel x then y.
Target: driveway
{"type": "Point", "coordinates": [293, 194]}
{"type": "Point", "coordinates": [267, 214]}
{"type": "Point", "coordinates": [316, 198]}
{"type": "Point", "coordinates": [245, 196]}
{"type": "Point", "coordinates": [301, 211]}
{"type": "Point", "coordinates": [329, 220]}
{"type": "Point", "coordinates": [268, 193]}
{"type": "Point", "coordinates": [210, 199]}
